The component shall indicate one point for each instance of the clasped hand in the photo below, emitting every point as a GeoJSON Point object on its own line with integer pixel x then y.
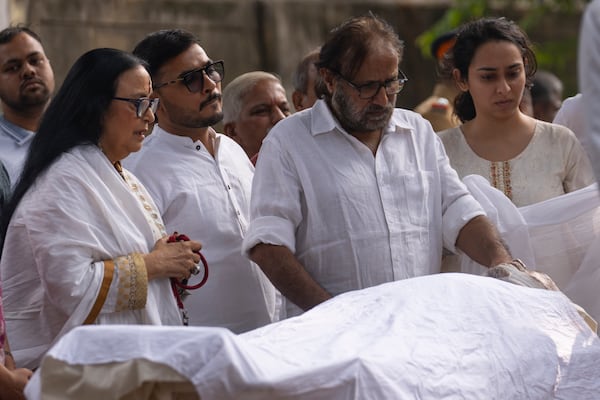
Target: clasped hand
{"type": "Point", "coordinates": [172, 260]}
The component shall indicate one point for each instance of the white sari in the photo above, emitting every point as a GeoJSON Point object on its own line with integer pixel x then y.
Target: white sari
{"type": "Point", "coordinates": [72, 255]}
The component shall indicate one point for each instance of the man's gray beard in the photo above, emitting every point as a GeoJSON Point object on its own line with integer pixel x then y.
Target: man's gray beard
{"type": "Point", "coordinates": [347, 116]}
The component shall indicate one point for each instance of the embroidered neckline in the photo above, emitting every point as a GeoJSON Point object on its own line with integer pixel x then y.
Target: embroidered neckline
{"type": "Point", "coordinates": [500, 177]}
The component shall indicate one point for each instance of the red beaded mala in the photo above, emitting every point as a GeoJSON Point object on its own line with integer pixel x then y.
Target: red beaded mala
{"type": "Point", "coordinates": [180, 287]}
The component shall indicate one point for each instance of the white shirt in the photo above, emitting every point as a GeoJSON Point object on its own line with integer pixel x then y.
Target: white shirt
{"type": "Point", "coordinates": [589, 80]}
{"type": "Point", "coordinates": [354, 220]}
{"type": "Point", "coordinates": [208, 200]}
{"type": "Point", "coordinates": [572, 115]}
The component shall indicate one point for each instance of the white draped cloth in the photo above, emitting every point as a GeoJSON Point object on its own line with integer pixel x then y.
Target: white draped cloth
{"type": "Point", "coordinates": [444, 336]}
{"type": "Point", "coordinates": [559, 237]}
{"type": "Point", "coordinates": [80, 215]}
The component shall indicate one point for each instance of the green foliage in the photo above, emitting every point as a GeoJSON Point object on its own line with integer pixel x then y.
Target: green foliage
{"type": "Point", "coordinates": [531, 13]}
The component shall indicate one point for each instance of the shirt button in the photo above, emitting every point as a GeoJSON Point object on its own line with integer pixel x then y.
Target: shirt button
{"type": "Point", "coordinates": [228, 187]}
{"type": "Point", "coordinates": [198, 147]}
{"type": "Point", "coordinates": [237, 212]}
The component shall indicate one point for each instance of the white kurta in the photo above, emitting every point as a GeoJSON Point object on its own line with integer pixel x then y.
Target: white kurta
{"type": "Point", "coordinates": [208, 199]}
{"type": "Point", "coordinates": [553, 163]}
{"type": "Point", "coordinates": [354, 220]}
{"type": "Point", "coordinates": [78, 213]}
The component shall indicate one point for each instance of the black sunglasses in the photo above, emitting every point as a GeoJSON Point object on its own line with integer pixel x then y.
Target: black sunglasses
{"type": "Point", "coordinates": [142, 104]}
{"type": "Point", "coordinates": [194, 80]}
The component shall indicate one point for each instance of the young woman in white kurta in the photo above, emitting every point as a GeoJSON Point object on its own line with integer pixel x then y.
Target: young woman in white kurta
{"type": "Point", "coordinates": [527, 159]}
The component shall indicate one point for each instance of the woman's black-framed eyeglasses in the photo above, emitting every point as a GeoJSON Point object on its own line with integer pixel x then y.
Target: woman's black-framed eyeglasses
{"type": "Point", "coordinates": [142, 104]}
{"type": "Point", "coordinates": [194, 80]}
{"type": "Point", "coordinates": [370, 90]}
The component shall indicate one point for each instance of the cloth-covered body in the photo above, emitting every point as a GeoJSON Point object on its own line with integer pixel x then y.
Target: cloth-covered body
{"type": "Point", "coordinates": [208, 200]}
{"type": "Point", "coordinates": [441, 336]}
{"type": "Point", "coordinates": [14, 145]}
{"type": "Point", "coordinates": [553, 163]}
{"type": "Point", "coordinates": [77, 229]}
{"type": "Point", "coordinates": [354, 220]}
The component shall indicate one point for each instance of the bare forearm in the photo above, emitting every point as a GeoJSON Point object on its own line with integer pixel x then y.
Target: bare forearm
{"type": "Point", "coordinates": [288, 275]}
{"type": "Point", "coordinates": [480, 240]}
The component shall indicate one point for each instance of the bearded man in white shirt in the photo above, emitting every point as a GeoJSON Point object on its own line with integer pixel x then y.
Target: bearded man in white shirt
{"type": "Point", "coordinates": [353, 192]}
{"type": "Point", "coordinates": [201, 181]}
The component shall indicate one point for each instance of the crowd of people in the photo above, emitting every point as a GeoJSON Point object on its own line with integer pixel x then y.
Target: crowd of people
{"type": "Point", "coordinates": [288, 209]}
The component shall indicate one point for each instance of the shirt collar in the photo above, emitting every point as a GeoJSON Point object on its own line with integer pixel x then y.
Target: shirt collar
{"type": "Point", "coordinates": [184, 141]}
{"type": "Point", "coordinates": [323, 121]}
{"type": "Point", "coordinates": [18, 134]}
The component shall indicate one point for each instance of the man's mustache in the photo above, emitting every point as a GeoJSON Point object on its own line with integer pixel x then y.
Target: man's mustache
{"type": "Point", "coordinates": [216, 96]}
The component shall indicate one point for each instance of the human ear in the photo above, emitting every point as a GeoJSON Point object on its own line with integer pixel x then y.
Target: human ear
{"type": "Point", "coordinates": [328, 78]}
{"type": "Point", "coordinates": [297, 100]}
{"type": "Point", "coordinates": [229, 130]}
{"type": "Point", "coordinates": [460, 82]}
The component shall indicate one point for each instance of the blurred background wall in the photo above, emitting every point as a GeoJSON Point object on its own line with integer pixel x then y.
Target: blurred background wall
{"type": "Point", "coordinates": [270, 35]}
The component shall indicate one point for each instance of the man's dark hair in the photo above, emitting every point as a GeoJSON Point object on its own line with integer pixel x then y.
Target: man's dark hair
{"type": "Point", "coordinates": [161, 46]}
{"type": "Point", "coordinates": [300, 76]}
{"type": "Point", "coordinates": [349, 44]}
{"type": "Point", "coordinates": [7, 34]}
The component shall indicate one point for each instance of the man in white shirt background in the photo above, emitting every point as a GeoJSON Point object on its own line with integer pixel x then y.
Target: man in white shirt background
{"type": "Point", "coordinates": [201, 181]}
{"type": "Point", "coordinates": [26, 85]}
{"type": "Point", "coordinates": [354, 193]}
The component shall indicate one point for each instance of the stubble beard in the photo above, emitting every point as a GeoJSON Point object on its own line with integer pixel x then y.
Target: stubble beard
{"type": "Point", "coordinates": [28, 101]}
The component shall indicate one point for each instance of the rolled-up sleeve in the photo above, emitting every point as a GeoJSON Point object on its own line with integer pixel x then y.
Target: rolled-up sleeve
{"type": "Point", "coordinates": [458, 205]}
{"type": "Point", "coordinates": [275, 206]}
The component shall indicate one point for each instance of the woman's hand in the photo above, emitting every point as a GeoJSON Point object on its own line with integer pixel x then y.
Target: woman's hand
{"type": "Point", "coordinates": [172, 260]}
{"type": "Point", "coordinates": [12, 382]}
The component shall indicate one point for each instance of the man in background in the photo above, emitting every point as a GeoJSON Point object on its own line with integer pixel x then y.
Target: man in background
{"type": "Point", "coordinates": [304, 80]}
{"type": "Point", "coordinates": [439, 107]}
{"type": "Point", "coordinates": [26, 85]}
{"type": "Point", "coordinates": [546, 95]}
{"type": "Point", "coordinates": [252, 104]}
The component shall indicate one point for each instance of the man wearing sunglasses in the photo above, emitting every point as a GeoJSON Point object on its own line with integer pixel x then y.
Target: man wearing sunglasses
{"type": "Point", "coordinates": [201, 181]}
{"type": "Point", "coordinates": [354, 192]}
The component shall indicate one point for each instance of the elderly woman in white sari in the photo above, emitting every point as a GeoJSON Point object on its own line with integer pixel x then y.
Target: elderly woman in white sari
{"type": "Point", "coordinates": [82, 240]}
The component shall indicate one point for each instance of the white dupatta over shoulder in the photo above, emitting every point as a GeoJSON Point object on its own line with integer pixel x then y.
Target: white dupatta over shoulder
{"type": "Point", "coordinates": [79, 214]}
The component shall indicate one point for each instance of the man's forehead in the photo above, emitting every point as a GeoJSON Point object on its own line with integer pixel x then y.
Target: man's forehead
{"type": "Point", "coordinates": [21, 45]}
{"type": "Point", "coordinates": [191, 58]}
